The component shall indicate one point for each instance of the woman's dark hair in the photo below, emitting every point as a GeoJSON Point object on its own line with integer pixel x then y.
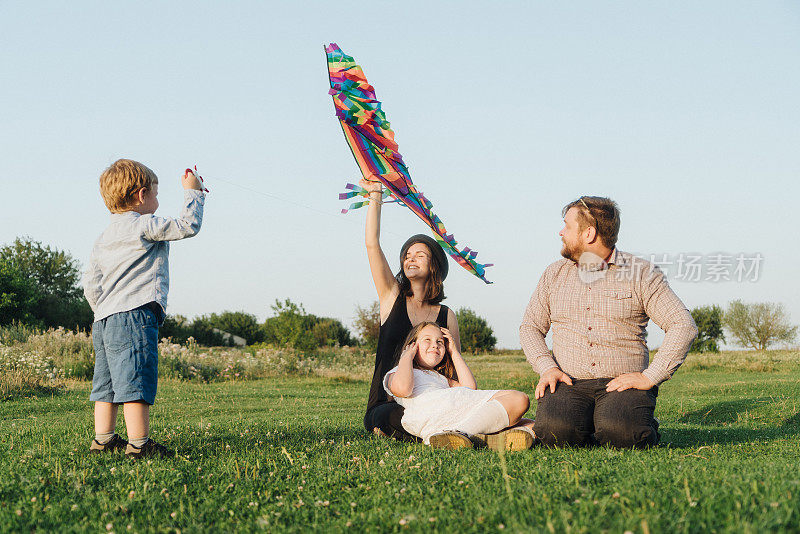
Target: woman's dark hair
{"type": "Point", "coordinates": [446, 367]}
{"type": "Point", "coordinates": [434, 286]}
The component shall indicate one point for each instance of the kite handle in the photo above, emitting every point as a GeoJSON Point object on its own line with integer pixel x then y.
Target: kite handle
{"type": "Point", "coordinates": [199, 178]}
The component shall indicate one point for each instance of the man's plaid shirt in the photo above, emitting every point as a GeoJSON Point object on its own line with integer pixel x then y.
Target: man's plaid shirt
{"type": "Point", "coordinates": [599, 319]}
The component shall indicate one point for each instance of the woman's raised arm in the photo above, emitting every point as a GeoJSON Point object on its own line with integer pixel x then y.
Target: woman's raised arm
{"type": "Point", "coordinates": [385, 283]}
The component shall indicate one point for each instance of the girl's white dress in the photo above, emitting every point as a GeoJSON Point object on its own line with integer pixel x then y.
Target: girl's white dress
{"type": "Point", "coordinates": [434, 406]}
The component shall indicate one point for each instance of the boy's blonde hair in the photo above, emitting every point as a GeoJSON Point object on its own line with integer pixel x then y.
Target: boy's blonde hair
{"type": "Point", "coordinates": [120, 183]}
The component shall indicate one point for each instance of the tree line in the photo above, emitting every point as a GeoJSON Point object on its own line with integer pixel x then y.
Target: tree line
{"type": "Point", "coordinates": [756, 326]}
{"type": "Point", "coordinates": [40, 286]}
{"type": "Point", "coordinates": [290, 325]}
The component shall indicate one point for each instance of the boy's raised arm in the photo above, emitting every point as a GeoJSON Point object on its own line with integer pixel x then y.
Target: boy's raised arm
{"type": "Point", "coordinates": [186, 225]}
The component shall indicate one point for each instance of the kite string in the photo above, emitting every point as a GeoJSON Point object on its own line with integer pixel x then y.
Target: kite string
{"type": "Point", "coordinates": [298, 204]}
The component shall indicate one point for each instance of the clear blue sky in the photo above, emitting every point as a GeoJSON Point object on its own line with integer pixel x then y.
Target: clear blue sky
{"type": "Point", "coordinates": [686, 113]}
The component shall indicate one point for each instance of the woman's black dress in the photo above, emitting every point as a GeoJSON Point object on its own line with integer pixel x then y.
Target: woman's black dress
{"type": "Point", "coordinates": [381, 412]}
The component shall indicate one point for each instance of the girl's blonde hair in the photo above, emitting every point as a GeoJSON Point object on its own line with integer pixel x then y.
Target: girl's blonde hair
{"type": "Point", "coordinates": [122, 181]}
{"type": "Point", "coordinates": [446, 367]}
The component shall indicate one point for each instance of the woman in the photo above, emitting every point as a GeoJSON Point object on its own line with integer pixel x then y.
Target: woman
{"type": "Point", "coordinates": [410, 297]}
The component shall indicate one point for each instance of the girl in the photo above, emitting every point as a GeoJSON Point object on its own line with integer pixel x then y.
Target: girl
{"type": "Point", "coordinates": [406, 299]}
{"type": "Point", "coordinates": [435, 386]}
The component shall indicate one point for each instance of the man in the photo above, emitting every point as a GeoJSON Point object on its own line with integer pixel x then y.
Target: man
{"type": "Point", "coordinates": [598, 386]}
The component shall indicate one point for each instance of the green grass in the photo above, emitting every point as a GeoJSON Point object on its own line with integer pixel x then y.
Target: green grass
{"type": "Point", "coordinates": [291, 454]}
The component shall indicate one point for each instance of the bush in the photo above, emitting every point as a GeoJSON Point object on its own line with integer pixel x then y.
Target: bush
{"type": "Point", "coordinates": [292, 326]}
{"type": "Point", "coordinates": [368, 324]}
{"type": "Point", "coordinates": [211, 364]}
{"type": "Point", "coordinates": [70, 352]}
{"type": "Point", "coordinates": [176, 328]}
{"type": "Point", "coordinates": [329, 332]}
{"type": "Point", "coordinates": [476, 334]}
{"type": "Point", "coordinates": [52, 354]}
{"type": "Point", "coordinates": [27, 370]}
{"type": "Point", "coordinates": [709, 325]}
{"type": "Point", "coordinates": [18, 295]}
{"type": "Point", "coordinates": [239, 324]}
{"type": "Point", "coordinates": [202, 330]}
{"type": "Point", "coordinates": [55, 275]}
{"type": "Point", "coordinates": [17, 333]}
{"type": "Point", "coordinates": [40, 363]}
{"type": "Point", "coordinates": [759, 325]}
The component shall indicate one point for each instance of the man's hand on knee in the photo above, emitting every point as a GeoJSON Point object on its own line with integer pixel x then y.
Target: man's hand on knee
{"type": "Point", "coordinates": [629, 381]}
{"type": "Point", "coordinates": [551, 378]}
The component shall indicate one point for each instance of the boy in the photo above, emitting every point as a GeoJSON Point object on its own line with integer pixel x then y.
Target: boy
{"type": "Point", "coordinates": [126, 284]}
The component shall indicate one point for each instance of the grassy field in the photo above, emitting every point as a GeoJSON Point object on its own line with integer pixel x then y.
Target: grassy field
{"type": "Point", "coordinates": [290, 453]}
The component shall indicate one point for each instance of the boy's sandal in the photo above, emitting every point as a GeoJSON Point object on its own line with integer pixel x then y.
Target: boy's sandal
{"type": "Point", "coordinates": [150, 449]}
{"type": "Point", "coordinates": [451, 440]}
{"type": "Point", "coordinates": [115, 444]}
{"type": "Point", "coordinates": [518, 438]}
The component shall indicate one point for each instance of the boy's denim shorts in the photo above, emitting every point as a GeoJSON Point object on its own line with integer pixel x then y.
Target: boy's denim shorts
{"type": "Point", "coordinates": [126, 355]}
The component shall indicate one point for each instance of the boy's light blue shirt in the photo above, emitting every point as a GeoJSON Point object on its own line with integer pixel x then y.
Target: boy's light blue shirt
{"type": "Point", "coordinates": [129, 265]}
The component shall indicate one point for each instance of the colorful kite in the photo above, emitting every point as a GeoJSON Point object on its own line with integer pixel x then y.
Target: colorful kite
{"type": "Point", "coordinates": [372, 142]}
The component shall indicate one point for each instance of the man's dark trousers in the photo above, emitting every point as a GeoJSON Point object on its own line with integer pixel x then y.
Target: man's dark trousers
{"type": "Point", "coordinates": [586, 414]}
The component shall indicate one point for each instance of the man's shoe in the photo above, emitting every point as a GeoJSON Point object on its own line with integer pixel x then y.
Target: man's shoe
{"type": "Point", "coordinates": [150, 449]}
{"type": "Point", "coordinates": [518, 438]}
{"type": "Point", "coordinates": [115, 444]}
{"type": "Point", "coordinates": [451, 440]}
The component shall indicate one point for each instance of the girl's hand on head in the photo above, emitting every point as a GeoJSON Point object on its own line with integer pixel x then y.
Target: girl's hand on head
{"type": "Point", "coordinates": [451, 343]}
{"type": "Point", "coordinates": [410, 351]}
{"type": "Point", "coordinates": [371, 186]}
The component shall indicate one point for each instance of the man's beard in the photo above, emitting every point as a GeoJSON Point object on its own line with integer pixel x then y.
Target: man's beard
{"type": "Point", "coordinates": [571, 252]}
